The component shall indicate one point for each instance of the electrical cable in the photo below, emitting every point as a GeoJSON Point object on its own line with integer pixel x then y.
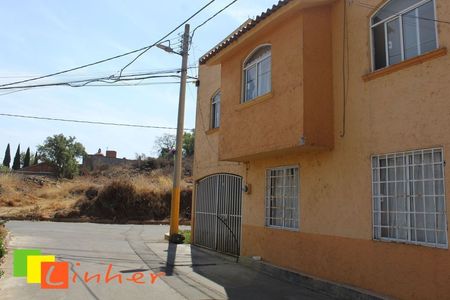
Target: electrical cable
{"type": "Point", "coordinates": [344, 71]}
{"type": "Point", "coordinates": [167, 35]}
{"type": "Point", "coordinates": [210, 18]}
{"type": "Point", "coordinates": [142, 50]}
{"type": "Point", "coordinates": [25, 76]}
{"type": "Point", "coordinates": [90, 122]}
{"type": "Point", "coordinates": [85, 82]}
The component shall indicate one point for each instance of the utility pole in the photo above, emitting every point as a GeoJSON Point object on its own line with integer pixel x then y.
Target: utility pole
{"type": "Point", "coordinates": [175, 204]}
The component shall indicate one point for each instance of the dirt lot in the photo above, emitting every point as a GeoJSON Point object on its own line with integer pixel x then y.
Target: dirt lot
{"type": "Point", "coordinates": [117, 195]}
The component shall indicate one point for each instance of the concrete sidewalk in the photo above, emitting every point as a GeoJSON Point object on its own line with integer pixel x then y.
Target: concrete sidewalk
{"type": "Point", "coordinates": [196, 273]}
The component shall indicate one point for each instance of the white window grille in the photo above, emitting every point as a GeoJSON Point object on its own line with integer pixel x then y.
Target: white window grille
{"type": "Point", "coordinates": [402, 30]}
{"type": "Point", "coordinates": [215, 111]}
{"type": "Point", "coordinates": [257, 73]}
{"type": "Point", "coordinates": [282, 190]}
{"type": "Point", "coordinates": [409, 197]}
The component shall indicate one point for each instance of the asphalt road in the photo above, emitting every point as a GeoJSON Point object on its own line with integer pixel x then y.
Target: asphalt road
{"type": "Point", "coordinates": [138, 253]}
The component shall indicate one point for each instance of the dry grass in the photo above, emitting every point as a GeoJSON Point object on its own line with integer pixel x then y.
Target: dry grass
{"type": "Point", "coordinates": [21, 197]}
{"type": "Point", "coordinates": [36, 198]}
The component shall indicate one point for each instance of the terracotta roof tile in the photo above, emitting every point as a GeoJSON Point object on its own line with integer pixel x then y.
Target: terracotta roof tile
{"type": "Point", "coordinates": [241, 30]}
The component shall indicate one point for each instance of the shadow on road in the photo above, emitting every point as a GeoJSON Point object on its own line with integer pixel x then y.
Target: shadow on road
{"type": "Point", "coordinates": [232, 280]}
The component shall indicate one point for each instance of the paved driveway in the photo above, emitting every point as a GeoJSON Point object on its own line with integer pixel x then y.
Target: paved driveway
{"type": "Point", "coordinates": [135, 252]}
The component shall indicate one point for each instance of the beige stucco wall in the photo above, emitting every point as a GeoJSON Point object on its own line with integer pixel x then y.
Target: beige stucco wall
{"type": "Point", "coordinates": [408, 109]}
{"type": "Point", "coordinates": [206, 160]}
{"type": "Point", "coordinates": [297, 113]}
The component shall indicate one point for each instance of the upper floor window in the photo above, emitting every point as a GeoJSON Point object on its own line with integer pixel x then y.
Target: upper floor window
{"type": "Point", "coordinates": [215, 111]}
{"type": "Point", "coordinates": [403, 29]}
{"type": "Point", "coordinates": [257, 73]}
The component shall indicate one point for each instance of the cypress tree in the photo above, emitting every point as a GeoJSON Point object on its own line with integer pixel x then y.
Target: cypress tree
{"type": "Point", "coordinates": [16, 163]}
{"type": "Point", "coordinates": [35, 161]}
{"type": "Point", "coordinates": [26, 160]}
{"type": "Point", "coordinates": [7, 159]}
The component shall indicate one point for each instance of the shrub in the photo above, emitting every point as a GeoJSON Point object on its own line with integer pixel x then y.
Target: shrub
{"type": "Point", "coordinates": [2, 248]}
{"type": "Point", "coordinates": [4, 170]}
{"type": "Point", "coordinates": [116, 199]}
{"type": "Point", "coordinates": [120, 201]}
{"type": "Point", "coordinates": [152, 163]}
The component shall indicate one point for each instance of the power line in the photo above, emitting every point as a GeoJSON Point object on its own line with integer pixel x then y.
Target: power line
{"type": "Point", "coordinates": [167, 35]}
{"type": "Point", "coordinates": [137, 84]}
{"type": "Point", "coordinates": [112, 85]}
{"type": "Point", "coordinates": [12, 92]}
{"type": "Point", "coordinates": [212, 17]}
{"type": "Point", "coordinates": [85, 82]}
{"type": "Point", "coordinates": [89, 122]}
{"type": "Point", "coordinates": [142, 50]}
{"type": "Point", "coordinates": [146, 71]}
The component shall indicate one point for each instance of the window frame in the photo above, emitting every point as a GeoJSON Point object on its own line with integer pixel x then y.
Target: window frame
{"type": "Point", "coordinates": [409, 182]}
{"type": "Point", "coordinates": [267, 200]}
{"type": "Point", "coordinates": [213, 118]}
{"type": "Point", "coordinates": [398, 15]}
{"type": "Point", "coordinates": [255, 63]}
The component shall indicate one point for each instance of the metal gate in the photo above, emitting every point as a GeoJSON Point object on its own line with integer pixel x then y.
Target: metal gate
{"type": "Point", "coordinates": [218, 213]}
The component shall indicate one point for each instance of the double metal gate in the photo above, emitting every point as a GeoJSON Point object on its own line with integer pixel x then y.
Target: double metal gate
{"type": "Point", "coordinates": [218, 213]}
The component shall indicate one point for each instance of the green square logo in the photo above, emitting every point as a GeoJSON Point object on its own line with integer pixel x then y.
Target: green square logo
{"type": "Point", "coordinates": [20, 261]}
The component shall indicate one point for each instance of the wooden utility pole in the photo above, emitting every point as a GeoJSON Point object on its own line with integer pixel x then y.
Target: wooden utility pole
{"type": "Point", "coordinates": [175, 204]}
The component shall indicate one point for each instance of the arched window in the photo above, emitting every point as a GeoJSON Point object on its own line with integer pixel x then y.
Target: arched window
{"type": "Point", "coordinates": [215, 110]}
{"type": "Point", "coordinates": [257, 73]}
{"type": "Point", "coordinates": [402, 29]}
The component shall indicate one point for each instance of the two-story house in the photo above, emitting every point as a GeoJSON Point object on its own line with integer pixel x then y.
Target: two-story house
{"type": "Point", "coordinates": [321, 136]}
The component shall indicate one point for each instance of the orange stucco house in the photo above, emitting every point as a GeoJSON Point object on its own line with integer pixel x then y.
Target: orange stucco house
{"type": "Point", "coordinates": [321, 139]}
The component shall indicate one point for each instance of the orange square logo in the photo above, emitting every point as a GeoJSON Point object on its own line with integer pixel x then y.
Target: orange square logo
{"type": "Point", "coordinates": [55, 275]}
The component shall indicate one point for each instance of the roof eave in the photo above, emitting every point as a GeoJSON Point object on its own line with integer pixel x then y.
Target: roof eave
{"type": "Point", "coordinates": [251, 27]}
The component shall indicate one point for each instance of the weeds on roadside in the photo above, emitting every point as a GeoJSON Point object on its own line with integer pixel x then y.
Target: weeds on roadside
{"type": "Point", "coordinates": [187, 236]}
{"type": "Point", "coordinates": [2, 248]}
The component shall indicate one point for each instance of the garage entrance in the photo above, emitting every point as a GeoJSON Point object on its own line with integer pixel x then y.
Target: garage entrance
{"type": "Point", "coordinates": [218, 213]}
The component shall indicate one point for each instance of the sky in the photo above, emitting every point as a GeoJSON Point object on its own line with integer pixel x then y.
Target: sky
{"type": "Point", "coordinates": [42, 37]}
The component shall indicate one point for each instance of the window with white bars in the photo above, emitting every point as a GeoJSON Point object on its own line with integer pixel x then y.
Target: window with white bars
{"type": "Point", "coordinates": [409, 197]}
{"type": "Point", "coordinates": [282, 190]}
{"type": "Point", "coordinates": [402, 30]}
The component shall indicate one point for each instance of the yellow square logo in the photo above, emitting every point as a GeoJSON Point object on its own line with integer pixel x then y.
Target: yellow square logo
{"type": "Point", "coordinates": [34, 266]}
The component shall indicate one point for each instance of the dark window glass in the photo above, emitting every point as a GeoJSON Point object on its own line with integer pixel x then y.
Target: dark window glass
{"type": "Point", "coordinates": [215, 111]}
{"type": "Point", "coordinates": [410, 26]}
{"type": "Point", "coordinates": [379, 45]}
{"type": "Point", "coordinates": [427, 28]}
{"type": "Point", "coordinates": [394, 43]}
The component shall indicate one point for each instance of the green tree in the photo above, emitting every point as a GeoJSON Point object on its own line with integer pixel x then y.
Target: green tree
{"type": "Point", "coordinates": [35, 160]}
{"type": "Point", "coordinates": [188, 144]}
{"type": "Point", "coordinates": [62, 153]}
{"type": "Point", "coordinates": [26, 160]}
{"type": "Point", "coordinates": [165, 145]}
{"type": "Point", "coordinates": [16, 162]}
{"type": "Point", "coordinates": [7, 158]}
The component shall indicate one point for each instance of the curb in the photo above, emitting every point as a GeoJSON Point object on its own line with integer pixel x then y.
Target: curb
{"type": "Point", "coordinates": [5, 244]}
{"type": "Point", "coordinates": [95, 221]}
{"type": "Point", "coordinates": [339, 291]}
